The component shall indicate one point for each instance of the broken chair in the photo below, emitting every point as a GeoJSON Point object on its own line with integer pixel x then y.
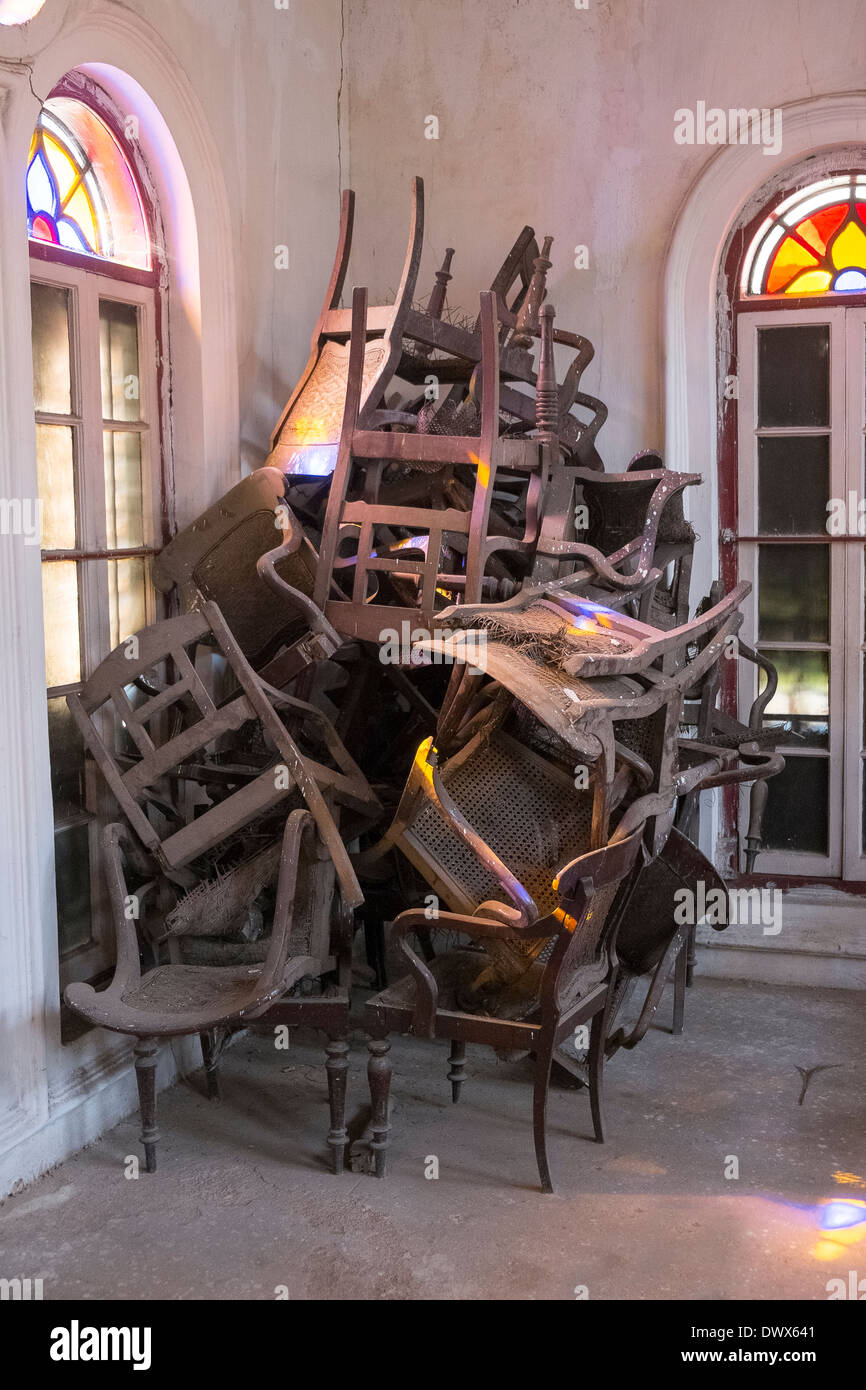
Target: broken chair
{"type": "Point", "coordinates": [173, 1000]}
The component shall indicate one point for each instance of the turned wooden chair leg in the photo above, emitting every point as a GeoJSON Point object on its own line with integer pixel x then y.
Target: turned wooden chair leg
{"type": "Point", "coordinates": [210, 1052]}
{"type": "Point", "coordinates": [379, 1077]}
{"type": "Point", "coordinates": [457, 1068]}
{"type": "Point", "coordinates": [543, 1060]}
{"type": "Point", "coordinates": [145, 1052]}
{"type": "Point", "coordinates": [595, 1061]}
{"type": "Point", "coordinates": [681, 969]}
{"type": "Point", "coordinates": [337, 1067]}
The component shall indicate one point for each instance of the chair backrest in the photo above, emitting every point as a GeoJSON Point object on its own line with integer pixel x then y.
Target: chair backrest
{"type": "Point", "coordinates": [216, 557]}
{"type": "Point", "coordinates": [253, 789]}
{"type": "Point", "coordinates": [305, 440]}
{"type": "Point", "coordinates": [593, 889]}
{"type": "Point", "coordinates": [361, 515]}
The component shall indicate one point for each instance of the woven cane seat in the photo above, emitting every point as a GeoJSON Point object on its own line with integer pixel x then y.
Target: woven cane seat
{"type": "Point", "coordinates": [179, 988]}
{"type": "Point", "coordinates": [529, 814]}
{"type": "Point", "coordinates": [464, 986]}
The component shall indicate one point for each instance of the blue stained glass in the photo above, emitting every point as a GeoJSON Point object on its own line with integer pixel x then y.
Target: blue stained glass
{"type": "Point", "coordinates": [69, 236]}
{"type": "Point", "coordinates": [40, 187]}
{"type": "Point", "coordinates": [850, 282]}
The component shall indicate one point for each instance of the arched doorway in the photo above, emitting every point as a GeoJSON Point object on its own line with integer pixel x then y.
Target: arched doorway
{"type": "Point", "coordinates": [791, 481]}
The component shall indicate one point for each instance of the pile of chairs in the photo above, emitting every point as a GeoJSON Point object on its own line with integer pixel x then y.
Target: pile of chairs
{"type": "Point", "coordinates": [430, 673]}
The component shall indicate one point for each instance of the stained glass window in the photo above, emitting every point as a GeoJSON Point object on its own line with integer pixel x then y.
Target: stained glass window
{"type": "Point", "coordinates": [813, 242]}
{"type": "Point", "coordinates": [81, 192]}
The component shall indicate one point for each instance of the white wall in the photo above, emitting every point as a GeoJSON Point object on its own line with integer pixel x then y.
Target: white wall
{"type": "Point", "coordinates": [564, 118]}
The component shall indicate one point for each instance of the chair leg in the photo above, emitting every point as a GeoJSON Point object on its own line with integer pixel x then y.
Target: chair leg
{"type": "Point", "coordinates": [145, 1053]}
{"type": "Point", "coordinates": [681, 979]}
{"type": "Point", "coordinates": [597, 1041]}
{"type": "Point", "coordinates": [337, 1067]}
{"type": "Point", "coordinates": [543, 1060]}
{"type": "Point", "coordinates": [457, 1069]}
{"type": "Point", "coordinates": [379, 1077]}
{"type": "Point", "coordinates": [690, 970]}
{"type": "Point", "coordinates": [210, 1052]}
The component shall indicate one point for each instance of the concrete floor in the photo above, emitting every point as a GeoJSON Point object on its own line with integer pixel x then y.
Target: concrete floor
{"type": "Point", "coordinates": [243, 1202]}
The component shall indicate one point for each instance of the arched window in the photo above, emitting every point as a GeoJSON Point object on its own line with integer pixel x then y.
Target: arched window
{"type": "Point", "coordinates": [95, 312]}
{"type": "Point", "coordinates": [795, 510]}
{"type": "Point", "coordinates": [81, 192]}
{"type": "Point", "coordinates": [813, 242]}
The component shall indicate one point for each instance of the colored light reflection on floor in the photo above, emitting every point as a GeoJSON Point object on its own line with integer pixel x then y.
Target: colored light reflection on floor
{"type": "Point", "coordinates": [843, 1222]}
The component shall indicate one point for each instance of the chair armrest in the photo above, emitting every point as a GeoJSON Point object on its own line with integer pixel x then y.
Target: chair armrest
{"type": "Point", "coordinates": [415, 918]}
{"type": "Point", "coordinates": [275, 967]}
{"type": "Point", "coordinates": [328, 639]}
{"type": "Point", "coordinates": [756, 713]}
{"type": "Point", "coordinates": [127, 969]}
{"type": "Point", "coordinates": [759, 766]}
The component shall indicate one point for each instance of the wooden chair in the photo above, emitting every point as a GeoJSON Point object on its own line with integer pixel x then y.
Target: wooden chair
{"type": "Point", "coordinates": [636, 530]}
{"type": "Point", "coordinates": [174, 1000]}
{"type": "Point", "coordinates": [216, 558]}
{"type": "Point", "coordinates": [627, 709]}
{"type": "Point", "coordinates": [571, 976]}
{"type": "Point", "coordinates": [305, 440]}
{"type": "Point", "coordinates": [358, 514]}
{"type": "Point", "coordinates": [190, 753]}
{"type": "Point", "coordinates": [228, 556]}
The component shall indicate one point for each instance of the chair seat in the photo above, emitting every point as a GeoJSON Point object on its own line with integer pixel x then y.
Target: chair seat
{"type": "Point", "coordinates": [456, 973]}
{"type": "Point", "coordinates": [176, 989]}
{"type": "Point", "coordinates": [535, 823]}
{"type": "Point", "coordinates": [173, 999]}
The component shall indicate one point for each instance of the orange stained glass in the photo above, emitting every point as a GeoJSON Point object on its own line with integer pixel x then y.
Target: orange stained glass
{"type": "Point", "coordinates": [789, 260]}
{"type": "Point", "coordinates": [813, 243]}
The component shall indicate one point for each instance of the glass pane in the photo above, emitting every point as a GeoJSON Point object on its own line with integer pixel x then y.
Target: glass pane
{"type": "Point", "coordinates": [794, 375]}
{"type": "Point", "coordinates": [67, 761]}
{"type": "Point", "coordinates": [60, 615]}
{"type": "Point", "coordinates": [54, 462]}
{"type": "Point", "coordinates": [118, 361]}
{"type": "Point", "coordinates": [49, 309]}
{"type": "Point", "coordinates": [802, 695]}
{"type": "Point", "coordinates": [126, 599]}
{"type": "Point", "coordinates": [72, 877]}
{"type": "Point", "coordinates": [794, 593]}
{"type": "Point", "coordinates": [123, 505]}
{"type": "Point", "coordinates": [793, 483]}
{"type": "Point", "coordinates": [796, 815]}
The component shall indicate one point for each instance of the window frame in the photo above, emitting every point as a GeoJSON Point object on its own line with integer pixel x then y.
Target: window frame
{"type": "Point", "coordinates": [90, 279]}
{"type": "Point", "coordinates": [728, 383]}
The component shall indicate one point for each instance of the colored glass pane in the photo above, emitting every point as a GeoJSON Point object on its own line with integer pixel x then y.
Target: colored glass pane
{"type": "Point", "coordinates": [81, 192]}
{"type": "Point", "coordinates": [43, 229]}
{"type": "Point", "coordinates": [62, 166]}
{"type": "Point", "coordinates": [810, 282]}
{"type": "Point", "coordinates": [849, 247]}
{"type": "Point", "coordinates": [813, 242]}
{"type": "Point", "coordinates": [827, 222]}
{"type": "Point", "coordinates": [789, 260]}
